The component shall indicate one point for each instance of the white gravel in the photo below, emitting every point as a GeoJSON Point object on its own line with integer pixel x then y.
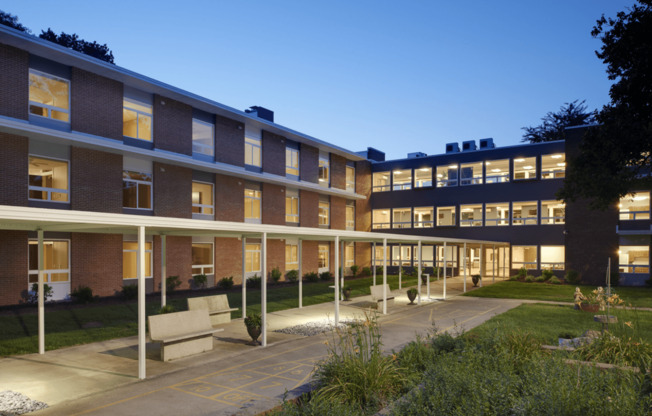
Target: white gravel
{"type": "Point", "coordinates": [12, 403]}
{"type": "Point", "coordinates": [313, 328]}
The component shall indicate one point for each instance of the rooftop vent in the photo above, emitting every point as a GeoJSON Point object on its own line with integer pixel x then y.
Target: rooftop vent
{"type": "Point", "coordinates": [415, 155]}
{"type": "Point", "coordinates": [372, 154]}
{"type": "Point", "coordinates": [487, 144]}
{"type": "Point", "coordinates": [452, 148]}
{"type": "Point", "coordinates": [469, 145]}
{"type": "Point", "coordinates": [261, 112]}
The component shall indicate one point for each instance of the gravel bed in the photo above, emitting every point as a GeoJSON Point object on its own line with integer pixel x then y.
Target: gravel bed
{"type": "Point", "coordinates": [12, 403]}
{"type": "Point", "coordinates": [314, 328]}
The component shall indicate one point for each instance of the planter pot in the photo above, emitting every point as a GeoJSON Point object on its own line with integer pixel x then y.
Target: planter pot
{"type": "Point", "coordinates": [347, 294]}
{"type": "Point", "coordinates": [254, 333]}
{"type": "Point", "coordinates": [586, 307]}
{"type": "Point", "coordinates": [411, 296]}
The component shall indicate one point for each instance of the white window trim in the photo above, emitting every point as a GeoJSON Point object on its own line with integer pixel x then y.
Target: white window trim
{"type": "Point", "coordinates": [197, 147]}
{"type": "Point", "coordinates": [48, 273]}
{"type": "Point", "coordinates": [45, 189]}
{"type": "Point", "coordinates": [349, 224]}
{"type": "Point", "coordinates": [423, 224]}
{"type": "Point", "coordinates": [247, 252]}
{"type": "Point", "coordinates": [519, 264]}
{"type": "Point", "coordinates": [350, 184]}
{"type": "Point", "coordinates": [252, 143]}
{"type": "Point", "coordinates": [523, 221]}
{"type": "Point", "coordinates": [402, 224]}
{"type": "Point", "coordinates": [292, 265]}
{"type": "Point", "coordinates": [497, 222]}
{"type": "Point", "coordinates": [138, 114]}
{"type": "Point", "coordinates": [254, 220]}
{"type": "Point", "coordinates": [552, 220]}
{"type": "Point", "coordinates": [151, 257]}
{"type": "Point", "coordinates": [474, 222]}
{"type": "Point", "coordinates": [288, 163]}
{"type": "Point", "coordinates": [293, 196]}
{"type": "Point", "coordinates": [47, 106]}
{"type": "Point", "coordinates": [206, 206]}
{"type": "Point", "coordinates": [138, 182]}
{"type": "Point", "coordinates": [449, 207]}
{"type": "Point", "coordinates": [204, 266]}
{"type": "Point", "coordinates": [321, 209]}
{"type": "Point", "coordinates": [473, 180]}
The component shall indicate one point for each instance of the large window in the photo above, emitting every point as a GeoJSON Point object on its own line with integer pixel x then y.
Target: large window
{"type": "Point", "coordinates": [379, 257]}
{"type": "Point", "coordinates": [380, 219]}
{"type": "Point", "coordinates": [48, 179]}
{"type": "Point", "coordinates": [450, 255]}
{"type": "Point", "coordinates": [292, 206]}
{"type": "Point", "coordinates": [553, 212]}
{"type": "Point", "coordinates": [350, 178]}
{"type": "Point", "coordinates": [446, 176]}
{"type": "Point", "coordinates": [130, 259]}
{"type": "Point", "coordinates": [324, 169]}
{"type": "Point", "coordinates": [634, 259]}
{"type": "Point", "coordinates": [253, 149]}
{"type": "Point", "coordinates": [292, 162]}
{"type": "Point", "coordinates": [446, 216]}
{"type": "Point", "coordinates": [524, 213]}
{"type": "Point", "coordinates": [401, 255]}
{"type": "Point", "coordinates": [137, 119]}
{"type": "Point", "coordinates": [136, 190]}
{"type": "Point", "coordinates": [380, 182]}
{"type": "Point", "coordinates": [422, 177]}
{"type": "Point", "coordinates": [203, 138]}
{"type": "Point", "coordinates": [402, 218]}
{"type": "Point", "coordinates": [324, 213]}
{"type": "Point", "coordinates": [56, 261]}
{"type": "Point", "coordinates": [496, 214]}
{"type": "Point", "coordinates": [525, 168]}
{"type": "Point", "coordinates": [402, 179]}
{"type": "Point", "coordinates": [524, 256]}
{"type": "Point", "coordinates": [497, 171]}
{"type": "Point", "coordinates": [350, 216]}
{"type": "Point", "coordinates": [471, 173]}
{"type": "Point", "coordinates": [553, 166]}
{"type": "Point", "coordinates": [471, 215]}
{"type": "Point", "coordinates": [202, 198]}
{"type": "Point", "coordinates": [349, 254]}
{"type": "Point", "coordinates": [323, 256]}
{"type": "Point", "coordinates": [427, 256]}
{"type": "Point", "coordinates": [49, 96]}
{"type": "Point", "coordinates": [553, 258]}
{"type": "Point", "coordinates": [252, 258]}
{"type": "Point", "coordinates": [252, 201]}
{"type": "Point", "coordinates": [291, 256]}
{"type": "Point", "coordinates": [202, 258]}
{"type": "Point", "coordinates": [635, 206]}
{"type": "Point", "coordinates": [423, 217]}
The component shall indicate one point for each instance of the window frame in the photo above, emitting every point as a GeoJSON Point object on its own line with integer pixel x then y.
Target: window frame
{"type": "Point", "coordinates": [420, 182]}
{"type": "Point", "coordinates": [632, 268]}
{"type": "Point", "coordinates": [381, 225]}
{"type": "Point", "coordinates": [292, 155]}
{"type": "Point", "coordinates": [496, 177]}
{"type": "Point", "coordinates": [500, 221]}
{"type": "Point", "coordinates": [253, 149]}
{"type": "Point", "coordinates": [350, 178]}
{"type": "Point", "coordinates": [321, 249]}
{"type": "Point", "coordinates": [473, 222]}
{"type": "Point", "coordinates": [446, 169]}
{"type": "Point", "coordinates": [198, 145]}
{"type": "Point", "coordinates": [46, 189]}
{"type": "Point", "coordinates": [521, 221]}
{"type": "Point", "coordinates": [474, 179]}
{"type": "Point", "coordinates": [423, 224]}
{"type": "Point", "coordinates": [294, 254]}
{"type": "Point", "coordinates": [139, 113]}
{"type": "Point", "coordinates": [453, 208]}
{"type": "Point", "coordinates": [324, 211]}
{"type": "Point", "coordinates": [47, 273]}
{"type": "Point", "coordinates": [401, 224]}
{"type": "Point", "coordinates": [139, 182]}
{"type": "Point", "coordinates": [151, 257]}
{"type": "Point", "coordinates": [637, 215]}
{"type": "Point", "coordinates": [381, 188]}
{"type": "Point", "coordinates": [203, 207]}
{"type": "Point", "coordinates": [552, 220]}
{"type": "Point", "coordinates": [525, 161]}
{"type": "Point", "coordinates": [549, 265]}
{"type": "Point", "coordinates": [405, 184]}
{"type": "Point", "coordinates": [253, 254]}
{"type": "Point", "coordinates": [535, 264]}
{"type": "Point", "coordinates": [349, 219]}
{"type": "Point", "coordinates": [292, 195]}
{"type": "Point", "coordinates": [202, 267]}
{"type": "Point", "coordinates": [558, 172]}
{"type": "Point", "coordinates": [48, 107]}
{"type": "Point", "coordinates": [255, 199]}
{"type": "Point", "coordinates": [324, 170]}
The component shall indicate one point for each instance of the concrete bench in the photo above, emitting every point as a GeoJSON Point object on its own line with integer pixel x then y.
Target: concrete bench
{"type": "Point", "coordinates": [182, 333]}
{"type": "Point", "coordinates": [377, 295]}
{"type": "Point", "coordinates": [217, 306]}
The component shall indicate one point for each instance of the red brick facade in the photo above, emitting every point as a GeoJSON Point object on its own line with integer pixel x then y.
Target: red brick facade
{"type": "Point", "coordinates": [273, 204]}
{"type": "Point", "coordinates": [95, 180]}
{"type": "Point", "coordinates": [229, 205]}
{"type": "Point", "coordinates": [178, 260]}
{"type": "Point", "coordinates": [309, 163]}
{"type": "Point", "coordinates": [13, 266]}
{"type": "Point", "coordinates": [229, 141]}
{"type": "Point", "coordinates": [338, 213]}
{"type": "Point", "coordinates": [308, 209]}
{"type": "Point", "coordinates": [96, 262]}
{"type": "Point", "coordinates": [96, 104]}
{"type": "Point", "coordinates": [14, 80]}
{"type": "Point", "coordinates": [338, 172]}
{"type": "Point", "coordinates": [228, 259]}
{"type": "Point", "coordinates": [273, 153]}
{"type": "Point", "coordinates": [172, 191]}
{"type": "Point", "coordinates": [363, 187]}
{"type": "Point", "coordinates": [172, 125]}
{"type": "Point", "coordinates": [13, 169]}
{"type": "Point", "coordinates": [275, 257]}
{"type": "Point", "coordinates": [309, 259]}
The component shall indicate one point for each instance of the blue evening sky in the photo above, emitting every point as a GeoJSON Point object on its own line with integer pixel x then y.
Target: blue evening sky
{"type": "Point", "coordinates": [400, 76]}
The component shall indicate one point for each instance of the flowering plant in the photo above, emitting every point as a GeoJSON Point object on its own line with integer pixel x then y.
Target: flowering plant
{"type": "Point", "coordinates": [597, 297]}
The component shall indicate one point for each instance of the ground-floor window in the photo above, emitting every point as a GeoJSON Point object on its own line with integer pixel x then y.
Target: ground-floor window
{"type": "Point", "coordinates": [252, 258]}
{"type": "Point", "coordinates": [291, 256]}
{"type": "Point", "coordinates": [427, 256]}
{"type": "Point", "coordinates": [56, 261]}
{"type": "Point", "coordinates": [450, 255]}
{"type": "Point", "coordinates": [202, 258]}
{"type": "Point", "coordinates": [349, 254]}
{"type": "Point", "coordinates": [324, 254]}
{"type": "Point", "coordinates": [130, 259]}
{"type": "Point", "coordinates": [524, 256]}
{"type": "Point", "coordinates": [553, 258]}
{"type": "Point", "coordinates": [379, 257]}
{"type": "Point", "coordinates": [401, 256]}
{"type": "Point", "coordinates": [634, 259]}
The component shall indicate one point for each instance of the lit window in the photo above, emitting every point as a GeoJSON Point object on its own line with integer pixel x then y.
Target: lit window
{"type": "Point", "coordinates": [324, 169]}
{"type": "Point", "coordinates": [380, 182]}
{"type": "Point", "coordinates": [202, 198]}
{"type": "Point", "coordinates": [471, 173]}
{"type": "Point", "coordinates": [402, 256]}
{"type": "Point", "coordinates": [203, 138]}
{"type": "Point", "coordinates": [137, 119]}
{"type": "Point", "coordinates": [252, 201]}
{"type": "Point", "coordinates": [635, 206]}
{"type": "Point", "coordinates": [553, 212]}
{"type": "Point", "coordinates": [253, 148]}
{"type": "Point", "coordinates": [402, 218]}
{"type": "Point", "coordinates": [56, 261]}
{"type": "Point", "coordinates": [292, 206]}
{"type": "Point", "coordinates": [349, 254]}
{"type": "Point", "coordinates": [553, 166]}
{"type": "Point", "coordinates": [422, 177]}
{"type": "Point", "coordinates": [48, 179]}
{"type": "Point", "coordinates": [525, 168]}
{"type": "Point", "coordinates": [402, 179]}
{"type": "Point", "coordinates": [446, 216]}
{"type": "Point", "coordinates": [323, 259]}
{"type": "Point", "coordinates": [450, 255]}
{"type": "Point", "coordinates": [350, 178]}
{"type": "Point", "coordinates": [350, 216]}
{"type": "Point", "coordinates": [324, 213]}
{"type": "Point", "coordinates": [497, 171]}
{"type": "Point", "coordinates": [446, 176]}
{"type": "Point", "coordinates": [634, 259]}
{"type": "Point", "coordinates": [524, 256]}
{"type": "Point", "coordinates": [496, 214]}
{"type": "Point", "coordinates": [553, 258]}
{"type": "Point", "coordinates": [524, 213]}
{"type": "Point", "coordinates": [379, 256]}
{"type": "Point", "coordinates": [380, 219]}
{"type": "Point", "coordinates": [136, 190]}
{"type": "Point", "coordinates": [423, 217]}
{"type": "Point", "coordinates": [471, 215]}
{"type": "Point", "coordinates": [292, 162]}
{"type": "Point", "coordinates": [291, 256]}
{"type": "Point", "coordinates": [252, 258]}
{"type": "Point", "coordinates": [49, 96]}
{"type": "Point", "coordinates": [427, 256]}
{"type": "Point", "coordinates": [202, 258]}
{"type": "Point", "coordinates": [130, 259]}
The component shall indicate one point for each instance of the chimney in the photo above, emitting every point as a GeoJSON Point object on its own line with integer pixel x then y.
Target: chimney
{"type": "Point", "coordinates": [261, 112]}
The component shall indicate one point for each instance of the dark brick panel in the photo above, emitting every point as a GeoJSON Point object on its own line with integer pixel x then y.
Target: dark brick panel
{"type": "Point", "coordinates": [172, 125]}
{"type": "Point", "coordinates": [96, 104]}
{"type": "Point", "coordinates": [14, 80]}
{"type": "Point", "coordinates": [95, 180]}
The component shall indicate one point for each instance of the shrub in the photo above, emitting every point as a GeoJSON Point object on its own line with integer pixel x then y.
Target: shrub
{"type": "Point", "coordinates": [292, 276]}
{"type": "Point", "coordinates": [522, 273]}
{"type": "Point", "coordinates": [623, 350]}
{"type": "Point", "coordinates": [311, 277]}
{"type": "Point", "coordinates": [547, 274]}
{"type": "Point", "coordinates": [513, 278]}
{"type": "Point", "coordinates": [445, 343]}
{"type": "Point", "coordinates": [572, 277]}
{"type": "Point", "coordinates": [172, 282]}
{"type": "Point", "coordinates": [276, 274]}
{"type": "Point", "coordinates": [366, 271]}
{"type": "Point", "coordinates": [32, 296]}
{"type": "Point", "coordinates": [254, 282]}
{"type": "Point", "coordinates": [253, 320]}
{"type": "Point", "coordinates": [225, 283]}
{"type": "Point", "coordinates": [540, 279]}
{"type": "Point", "coordinates": [529, 279]}
{"type": "Point", "coordinates": [554, 280]}
{"type": "Point", "coordinates": [354, 270]}
{"type": "Point", "coordinates": [413, 291]}
{"type": "Point", "coordinates": [130, 292]}
{"type": "Point", "coordinates": [200, 280]}
{"type": "Point", "coordinates": [166, 309]}
{"type": "Point", "coordinates": [83, 294]}
{"type": "Point", "coordinates": [325, 276]}
{"type": "Point", "coordinates": [379, 270]}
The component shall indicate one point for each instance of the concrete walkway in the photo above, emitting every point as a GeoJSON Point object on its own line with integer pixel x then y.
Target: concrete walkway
{"type": "Point", "coordinates": [234, 378]}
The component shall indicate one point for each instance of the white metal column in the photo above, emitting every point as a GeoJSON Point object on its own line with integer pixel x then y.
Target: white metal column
{"type": "Point", "coordinates": [419, 272]}
{"type": "Point", "coordinates": [464, 263]}
{"type": "Point", "coordinates": [385, 277]}
{"type": "Point", "coordinates": [41, 295]}
{"type": "Point", "coordinates": [300, 275]}
{"type": "Point", "coordinates": [400, 267]}
{"type": "Point", "coordinates": [445, 266]}
{"type": "Point", "coordinates": [244, 277]}
{"type": "Point", "coordinates": [481, 264]}
{"type": "Point", "coordinates": [337, 283]}
{"type": "Point", "coordinates": [263, 271]}
{"type": "Point", "coordinates": [142, 345]}
{"type": "Point", "coordinates": [493, 264]}
{"type": "Point", "coordinates": [373, 263]}
{"type": "Point", "coordinates": [164, 272]}
{"type": "Point", "coordinates": [342, 261]}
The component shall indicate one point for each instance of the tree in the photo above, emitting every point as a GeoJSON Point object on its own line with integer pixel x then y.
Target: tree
{"type": "Point", "coordinates": [73, 42]}
{"type": "Point", "coordinates": [553, 124]}
{"type": "Point", "coordinates": [614, 156]}
{"type": "Point", "coordinates": [12, 21]}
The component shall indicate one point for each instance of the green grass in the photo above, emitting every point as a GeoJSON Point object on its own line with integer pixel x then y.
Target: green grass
{"type": "Point", "coordinates": [63, 328]}
{"type": "Point", "coordinates": [636, 296]}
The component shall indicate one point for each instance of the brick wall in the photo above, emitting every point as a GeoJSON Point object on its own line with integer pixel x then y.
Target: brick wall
{"type": "Point", "coordinates": [178, 260]}
{"type": "Point", "coordinates": [172, 191]}
{"type": "Point", "coordinates": [229, 198]}
{"type": "Point", "coordinates": [338, 172]}
{"type": "Point", "coordinates": [229, 141]}
{"type": "Point", "coordinates": [338, 213]}
{"type": "Point", "coordinates": [363, 187]}
{"type": "Point", "coordinates": [275, 257]}
{"type": "Point", "coordinates": [96, 104]}
{"type": "Point", "coordinates": [95, 180]}
{"type": "Point", "coordinates": [309, 256]}
{"type": "Point", "coordinates": [96, 262]}
{"type": "Point", "coordinates": [308, 208]}
{"type": "Point", "coordinates": [14, 82]}
{"type": "Point", "coordinates": [172, 125]}
{"type": "Point", "coordinates": [363, 255]}
{"type": "Point", "coordinates": [13, 266]}
{"type": "Point", "coordinates": [13, 169]}
{"type": "Point", "coordinates": [309, 163]}
{"type": "Point", "coordinates": [228, 259]}
{"type": "Point", "coordinates": [273, 153]}
{"type": "Point", "coordinates": [273, 204]}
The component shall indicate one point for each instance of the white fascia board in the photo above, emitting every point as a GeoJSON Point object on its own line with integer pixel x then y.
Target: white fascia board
{"type": "Point", "coordinates": [89, 141]}
{"type": "Point", "coordinates": [58, 53]}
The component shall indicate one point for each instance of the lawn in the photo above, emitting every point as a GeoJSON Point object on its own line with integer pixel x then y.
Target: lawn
{"type": "Point", "coordinates": [65, 327]}
{"type": "Point", "coordinates": [636, 296]}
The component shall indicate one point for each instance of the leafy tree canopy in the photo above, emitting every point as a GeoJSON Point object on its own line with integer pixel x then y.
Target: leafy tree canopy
{"type": "Point", "coordinates": [553, 124]}
{"type": "Point", "coordinates": [614, 157]}
{"type": "Point", "coordinates": [12, 21]}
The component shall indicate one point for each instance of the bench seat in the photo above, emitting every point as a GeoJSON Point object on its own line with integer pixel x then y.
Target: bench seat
{"type": "Point", "coordinates": [182, 333]}
{"type": "Point", "coordinates": [217, 306]}
{"type": "Point", "coordinates": [377, 295]}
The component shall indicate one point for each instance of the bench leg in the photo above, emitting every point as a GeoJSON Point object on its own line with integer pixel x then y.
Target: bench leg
{"type": "Point", "coordinates": [186, 348]}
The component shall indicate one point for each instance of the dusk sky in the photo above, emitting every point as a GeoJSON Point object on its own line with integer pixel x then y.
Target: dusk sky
{"type": "Point", "coordinates": [398, 76]}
